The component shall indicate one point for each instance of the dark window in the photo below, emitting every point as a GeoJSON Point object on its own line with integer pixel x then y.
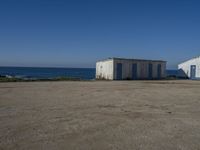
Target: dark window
{"type": "Point", "coordinates": [150, 71]}
{"type": "Point", "coordinates": [159, 71]}
{"type": "Point", "coordinates": [134, 71]}
{"type": "Point", "coordinates": [119, 71]}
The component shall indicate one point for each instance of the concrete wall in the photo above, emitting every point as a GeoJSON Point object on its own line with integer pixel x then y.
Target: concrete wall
{"type": "Point", "coordinates": [104, 69]}
{"type": "Point", "coordinates": [108, 69]}
{"type": "Point", "coordinates": [142, 68]}
{"type": "Point", "coordinates": [185, 67]}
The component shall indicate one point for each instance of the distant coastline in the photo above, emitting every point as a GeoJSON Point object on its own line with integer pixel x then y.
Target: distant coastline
{"type": "Point", "coordinates": [47, 73]}
{"type": "Point", "coordinates": [14, 79]}
{"type": "Point", "coordinates": [17, 74]}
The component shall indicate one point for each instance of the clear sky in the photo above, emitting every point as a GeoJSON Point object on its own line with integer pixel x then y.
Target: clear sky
{"type": "Point", "coordinates": [77, 33]}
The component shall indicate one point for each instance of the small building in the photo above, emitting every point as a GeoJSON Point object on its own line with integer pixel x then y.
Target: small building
{"type": "Point", "coordinates": [130, 69]}
{"type": "Point", "coordinates": [190, 68]}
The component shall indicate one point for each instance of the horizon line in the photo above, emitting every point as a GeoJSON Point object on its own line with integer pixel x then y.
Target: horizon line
{"type": "Point", "coordinates": [62, 67]}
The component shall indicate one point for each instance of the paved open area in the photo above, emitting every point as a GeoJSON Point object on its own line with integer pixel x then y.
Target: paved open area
{"type": "Point", "coordinates": [100, 115]}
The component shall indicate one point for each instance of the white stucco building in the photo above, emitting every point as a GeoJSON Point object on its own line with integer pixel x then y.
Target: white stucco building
{"type": "Point", "coordinates": [132, 69]}
{"type": "Point", "coordinates": [191, 68]}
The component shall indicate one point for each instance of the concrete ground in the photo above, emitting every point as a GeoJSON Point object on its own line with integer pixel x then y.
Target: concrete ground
{"type": "Point", "coordinates": [99, 115]}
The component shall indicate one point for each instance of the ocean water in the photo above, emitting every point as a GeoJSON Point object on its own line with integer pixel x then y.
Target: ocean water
{"type": "Point", "coordinates": [172, 72]}
{"type": "Point", "coordinates": [44, 73]}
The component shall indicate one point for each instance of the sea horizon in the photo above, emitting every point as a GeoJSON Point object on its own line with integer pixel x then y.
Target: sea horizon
{"type": "Point", "coordinates": [47, 67]}
{"type": "Point", "coordinates": [47, 72]}
{"type": "Point", "coordinates": [54, 72]}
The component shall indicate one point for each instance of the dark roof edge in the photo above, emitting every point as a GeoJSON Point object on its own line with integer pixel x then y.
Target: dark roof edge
{"type": "Point", "coordinates": [105, 59]}
{"type": "Point", "coordinates": [117, 58]}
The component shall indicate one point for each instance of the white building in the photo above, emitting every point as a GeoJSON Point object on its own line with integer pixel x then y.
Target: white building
{"type": "Point", "coordinates": [191, 68]}
{"type": "Point", "coordinates": [133, 69]}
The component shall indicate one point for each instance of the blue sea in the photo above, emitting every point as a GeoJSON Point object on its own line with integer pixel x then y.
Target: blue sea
{"type": "Point", "coordinates": [48, 73]}
{"type": "Point", "coordinates": [172, 72]}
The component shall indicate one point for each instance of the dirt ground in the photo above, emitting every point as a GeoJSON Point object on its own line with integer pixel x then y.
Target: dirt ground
{"type": "Point", "coordinates": [100, 115]}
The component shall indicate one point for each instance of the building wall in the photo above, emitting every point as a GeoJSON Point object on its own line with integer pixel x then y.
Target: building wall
{"type": "Point", "coordinates": [142, 69]}
{"type": "Point", "coordinates": [186, 66]}
{"type": "Point", "coordinates": [108, 69]}
{"type": "Point", "coordinates": [104, 69]}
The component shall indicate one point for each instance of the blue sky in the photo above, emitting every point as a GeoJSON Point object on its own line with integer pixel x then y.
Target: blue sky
{"type": "Point", "coordinates": [77, 33]}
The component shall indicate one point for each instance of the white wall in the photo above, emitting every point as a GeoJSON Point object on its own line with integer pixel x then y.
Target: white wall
{"type": "Point", "coordinates": [187, 65]}
{"type": "Point", "coordinates": [104, 69]}
{"type": "Point", "coordinates": [108, 69]}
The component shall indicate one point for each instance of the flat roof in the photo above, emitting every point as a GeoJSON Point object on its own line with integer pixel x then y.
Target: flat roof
{"type": "Point", "coordinates": [131, 59]}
